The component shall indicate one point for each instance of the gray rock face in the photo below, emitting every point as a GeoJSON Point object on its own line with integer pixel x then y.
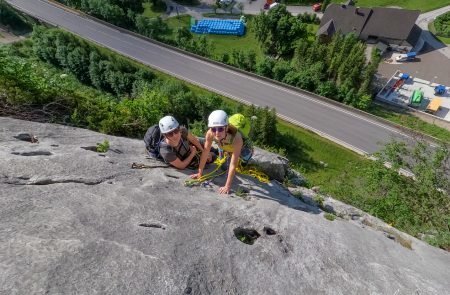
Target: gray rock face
{"type": "Point", "coordinates": [272, 164]}
{"type": "Point", "coordinates": [73, 221]}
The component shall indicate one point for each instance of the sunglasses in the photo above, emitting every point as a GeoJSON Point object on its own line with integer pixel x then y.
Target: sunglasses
{"type": "Point", "coordinates": [169, 134]}
{"type": "Point", "coordinates": [217, 129]}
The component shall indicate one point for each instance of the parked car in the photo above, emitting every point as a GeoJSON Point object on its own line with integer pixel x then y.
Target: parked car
{"type": "Point", "coordinates": [273, 5]}
{"type": "Point", "coordinates": [317, 7]}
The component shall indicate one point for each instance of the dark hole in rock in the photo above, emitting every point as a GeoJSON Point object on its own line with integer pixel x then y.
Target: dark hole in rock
{"type": "Point", "coordinates": [188, 290]}
{"type": "Point", "coordinates": [355, 216]}
{"type": "Point", "coordinates": [54, 145]}
{"type": "Point", "coordinates": [90, 148]}
{"type": "Point", "coordinates": [269, 231]}
{"type": "Point", "coordinates": [117, 151]}
{"type": "Point", "coordinates": [36, 153]}
{"type": "Point", "coordinates": [389, 236]}
{"type": "Point", "coordinates": [26, 137]}
{"type": "Point", "coordinates": [246, 235]}
{"type": "Point", "coordinates": [154, 225]}
{"type": "Point", "coordinates": [172, 176]}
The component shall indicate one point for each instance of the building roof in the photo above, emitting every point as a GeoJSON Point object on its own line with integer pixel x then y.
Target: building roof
{"type": "Point", "coordinates": [346, 19]}
{"type": "Point", "coordinates": [414, 35]}
{"type": "Point", "coordinates": [388, 23]}
{"type": "Point", "coordinates": [391, 23]}
{"type": "Point", "coordinates": [328, 29]}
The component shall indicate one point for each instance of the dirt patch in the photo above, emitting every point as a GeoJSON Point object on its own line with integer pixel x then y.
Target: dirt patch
{"type": "Point", "coordinates": [7, 37]}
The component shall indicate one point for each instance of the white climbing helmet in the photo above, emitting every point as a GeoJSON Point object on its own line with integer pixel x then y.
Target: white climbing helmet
{"type": "Point", "coordinates": [218, 118]}
{"type": "Point", "coordinates": [167, 124]}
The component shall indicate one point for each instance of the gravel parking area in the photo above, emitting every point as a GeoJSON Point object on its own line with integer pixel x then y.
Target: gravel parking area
{"type": "Point", "coordinates": [430, 65]}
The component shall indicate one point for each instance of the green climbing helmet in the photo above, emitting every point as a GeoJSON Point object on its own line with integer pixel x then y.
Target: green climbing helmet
{"type": "Point", "coordinates": [242, 123]}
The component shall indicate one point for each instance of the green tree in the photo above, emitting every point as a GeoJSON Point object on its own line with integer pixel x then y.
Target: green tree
{"type": "Point", "coordinates": [204, 46]}
{"type": "Point", "coordinates": [78, 64]}
{"type": "Point", "coordinates": [264, 128]}
{"type": "Point", "coordinates": [327, 89]}
{"type": "Point", "coordinates": [183, 37]}
{"type": "Point", "coordinates": [325, 4]}
{"type": "Point", "coordinates": [225, 58]}
{"type": "Point", "coordinates": [97, 69]}
{"type": "Point", "coordinates": [280, 69]}
{"type": "Point", "coordinates": [154, 28]}
{"type": "Point", "coordinates": [277, 31]}
{"type": "Point", "coordinates": [264, 67]}
{"type": "Point", "coordinates": [105, 10]}
{"type": "Point", "coordinates": [9, 17]}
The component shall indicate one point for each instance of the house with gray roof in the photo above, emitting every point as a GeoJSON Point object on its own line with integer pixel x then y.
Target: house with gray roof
{"type": "Point", "coordinates": [391, 26]}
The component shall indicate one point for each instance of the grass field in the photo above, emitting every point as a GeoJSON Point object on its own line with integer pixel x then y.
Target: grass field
{"type": "Point", "coordinates": [149, 11]}
{"type": "Point", "coordinates": [247, 42]}
{"type": "Point", "coordinates": [322, 161]}
{"type": "Point", "coordinates": [178, 22]}
{"type": "Point", "coordinates": [423, 5]}
{"type": "Point", "coordinates": [222, 43]}
{"type": "Point", "coordinates": [412, 122]}
{"type": "Point", "coordinates": [432, 29]}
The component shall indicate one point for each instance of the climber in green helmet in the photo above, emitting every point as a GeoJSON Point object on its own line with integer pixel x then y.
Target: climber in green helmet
{"type": "Point", "coordinates": [229, 140]}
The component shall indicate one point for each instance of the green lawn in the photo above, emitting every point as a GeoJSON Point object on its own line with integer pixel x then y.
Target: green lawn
{"type": "Point", "coordinates": [178, 22]}
{"type": "Point", "coordinates": [411, 122]}
{"type": "Point", "coordinates": [432, 29]}
{"type": "Point", "coordinates": [444, 40]}
{"type": "Point", "coordinates": [222, 43]}
{"type": "Point", "coordinates": [312, 150]}
{"type": "Point", "coordinates": [149, 11]}
{"type": "Point", "coordinates": [423, 5]}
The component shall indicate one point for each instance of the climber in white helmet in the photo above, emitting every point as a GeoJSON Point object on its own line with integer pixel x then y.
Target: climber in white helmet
{"type": "Point", "coordinates": [179, 147]}
{"type": "Point", "coordinates": [229, 140]}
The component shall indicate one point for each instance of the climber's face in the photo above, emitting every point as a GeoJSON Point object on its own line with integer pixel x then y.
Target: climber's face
{"type": "Point", "coordinates": [219, 132]}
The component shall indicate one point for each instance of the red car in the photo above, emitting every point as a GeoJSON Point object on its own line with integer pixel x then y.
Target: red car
{"type": "Point", "coordinates": [317, 7]}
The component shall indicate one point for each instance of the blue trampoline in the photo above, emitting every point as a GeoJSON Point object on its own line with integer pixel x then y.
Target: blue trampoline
{"type": "Point", "coordinates": [219, 27]}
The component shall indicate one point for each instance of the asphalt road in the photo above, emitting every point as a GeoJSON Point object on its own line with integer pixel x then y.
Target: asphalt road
{"type": "Point", "coordinates": [355, 131]}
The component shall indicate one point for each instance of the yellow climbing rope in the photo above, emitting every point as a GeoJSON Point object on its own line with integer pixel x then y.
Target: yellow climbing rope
{"type": "Point", "coordinates": [247, 170]}
{"type": "Point", "coordinates": [219, 162]}
{"type": "Point", "coordinates": [252, 171]}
